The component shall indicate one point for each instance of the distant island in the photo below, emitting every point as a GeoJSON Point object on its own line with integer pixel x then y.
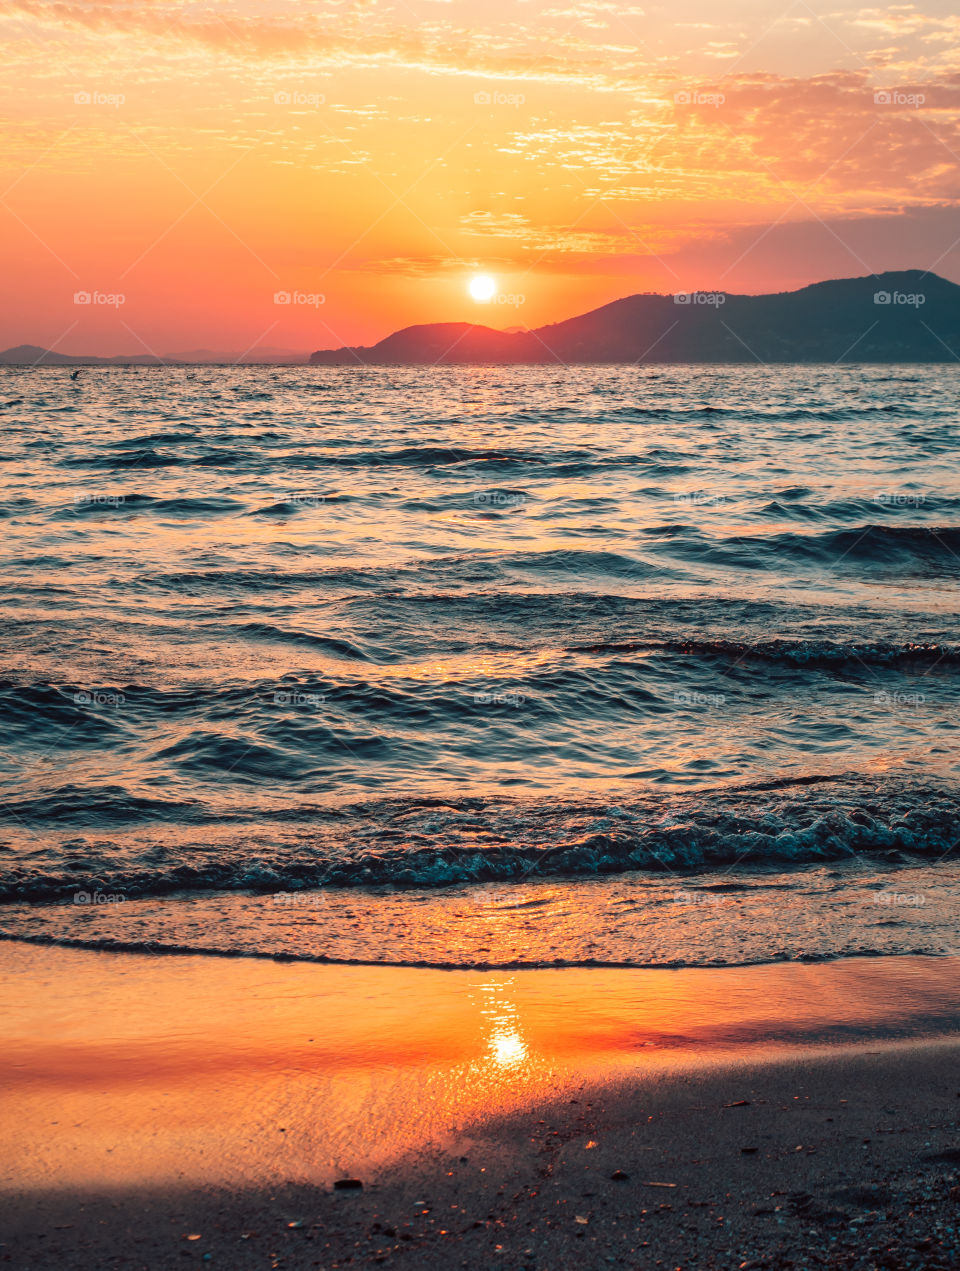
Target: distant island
{"type": "Point", "coordinates": [905, 316]}
{"type": "Point", "coordinates": [35, 355]}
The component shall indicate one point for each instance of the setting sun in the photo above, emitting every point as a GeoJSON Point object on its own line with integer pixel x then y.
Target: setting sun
{"type": "Point", "coordinates": [482, 288]}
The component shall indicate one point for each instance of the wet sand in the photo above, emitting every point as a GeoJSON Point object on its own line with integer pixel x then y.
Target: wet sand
{"type": "Point", "coordinates": [148, 1100]}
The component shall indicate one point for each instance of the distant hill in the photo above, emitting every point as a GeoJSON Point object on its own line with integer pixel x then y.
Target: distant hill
{"type": "Point", "coordinates": [252, 357]}
{"type": "Point", "coordinates": [33, 355]}
{"type": "Point", "coordinates": [907, 316]}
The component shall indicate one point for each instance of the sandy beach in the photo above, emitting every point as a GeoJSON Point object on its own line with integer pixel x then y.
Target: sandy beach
{"type": "Point", "coordinates": [162, 1110]}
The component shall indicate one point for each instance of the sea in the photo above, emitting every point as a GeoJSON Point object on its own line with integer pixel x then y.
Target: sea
{"type": "Point", "coordinates": [482, 667]}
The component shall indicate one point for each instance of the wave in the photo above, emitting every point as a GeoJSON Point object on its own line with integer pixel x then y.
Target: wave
{"type": "Point", "coordinates": [447, 459]}
{"type": "Point", "coordinates": [78, 806]}
{"type": "Point", "coordinates": [890, 547]}
{"type": "Point", "coordinates": [665, 552]}
{"type": "Point", "coordinates": [261, 579]}
{"type": "Point", "coordinates": [867, 539]}
{"type": "Point", "coordinates": [774, 415]}
{"type": "Point", "coordinates": [99, 502]}
{"type": "Point", "coordinates": [473, 567]}
{"type": "Point", "coordinates": [266, 631]}
{"type": "Point", "coordinates": [302, 500]}
{"type": "Point", "coordinates": [812, 653]}
{"type": "Point", "coordinates": [898, 503]}
{"type": "Point", "coordinates": [146, 457]}
{"type": "Point", "coordinates": [429, 843]}
{"type": "Point", "coordinates": [149, 439]}
{"type": "Point", "coordinates": [569, 561]}
{"type": "Point", "coordinates": [172, 948]}
{"type": "Point", "coordinates": [374, 681]}
{"type": "Point", "coordinates": [455, 459]}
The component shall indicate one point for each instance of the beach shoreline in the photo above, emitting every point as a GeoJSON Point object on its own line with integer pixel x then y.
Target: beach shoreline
{"type": "Point", "coordinates": [482, 1117]}
{"type": "Point", "coordinates": [793, 1162]}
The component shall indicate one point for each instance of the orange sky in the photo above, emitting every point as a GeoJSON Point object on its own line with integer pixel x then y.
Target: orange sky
{"type": "Point", "coordinates": [182, 163]}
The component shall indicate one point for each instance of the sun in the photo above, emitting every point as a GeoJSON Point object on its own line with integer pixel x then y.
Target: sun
{"type": "Point", "coordinates": [482, 288]}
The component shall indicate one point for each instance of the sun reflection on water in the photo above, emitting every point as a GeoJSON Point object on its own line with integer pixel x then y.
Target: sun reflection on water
{"type": "Point", "coordinates": [501, 1024]}
{"type": "Point", "coordinates": [508, 1048]}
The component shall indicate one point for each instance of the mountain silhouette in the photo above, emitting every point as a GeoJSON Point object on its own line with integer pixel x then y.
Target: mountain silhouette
{"type": "Point", "coordinates": [34, 355]}
{"type": "Point", "coordinates": [903, 316]}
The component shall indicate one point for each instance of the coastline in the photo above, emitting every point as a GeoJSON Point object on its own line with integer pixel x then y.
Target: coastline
{"type": "Point", "coordinates": [171, 1097]}
{"type": "Point", "coordinates": [840, 1178]}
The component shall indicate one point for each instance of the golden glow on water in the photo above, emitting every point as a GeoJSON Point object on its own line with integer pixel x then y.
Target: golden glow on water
{"type": "Point", "coordinates": [119, 1067]}
{"type": "Point", "coordinates": [449, 574]}
{"type": "Point", "coordinates": [508, 1048]}
{"type": "Point", "coordinates": [500, 1014]}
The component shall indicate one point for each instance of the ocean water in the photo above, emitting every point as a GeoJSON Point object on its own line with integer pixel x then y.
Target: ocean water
{"type": "Point", "coordinates": [482, 666]}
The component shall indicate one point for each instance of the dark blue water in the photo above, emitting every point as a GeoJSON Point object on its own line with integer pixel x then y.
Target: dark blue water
{"type": "Point", "coordinates": [314, 628]}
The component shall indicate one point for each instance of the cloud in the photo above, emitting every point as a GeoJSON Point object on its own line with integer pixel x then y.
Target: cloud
{"type": "Point", "coordinates": [841, 138]}
{"type": "Point", "coordinates": [355, 35]}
